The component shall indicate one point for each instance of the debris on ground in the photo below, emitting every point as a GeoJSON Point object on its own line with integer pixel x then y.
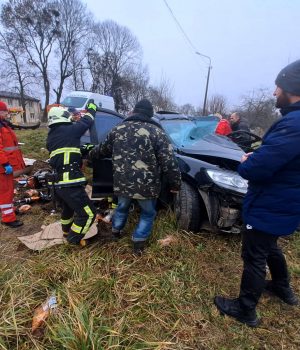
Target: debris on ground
{"type": "Point", "coordinates": [24, 208]}
{"type": "Point", "coordinates": [51, 235]}
{"type": "Point", "coordinates": [168, 240]}
{"type": "Point", "coordinates": [42, 313]}
{"type": "Point", "coordinates": [107, 217]}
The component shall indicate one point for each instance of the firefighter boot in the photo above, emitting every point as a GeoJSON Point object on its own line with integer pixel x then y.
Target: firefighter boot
{"type": "Point", "coordinates": [74, 238]}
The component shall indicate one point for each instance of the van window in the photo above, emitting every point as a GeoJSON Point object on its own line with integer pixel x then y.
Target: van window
{"type": "Point", "coordinates": [73, 101]}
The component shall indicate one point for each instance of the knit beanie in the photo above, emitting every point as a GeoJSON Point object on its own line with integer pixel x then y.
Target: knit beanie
{"type": "Point", "coordinates": [144, 107]}
{"type": "Point", "coordinates": [3, 107]}
{"type": "Point", "coordinates": [288, 78]}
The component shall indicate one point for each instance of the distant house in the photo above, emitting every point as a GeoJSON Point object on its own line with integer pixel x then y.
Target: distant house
{"type": "Point", "coordinates": [32, 109]}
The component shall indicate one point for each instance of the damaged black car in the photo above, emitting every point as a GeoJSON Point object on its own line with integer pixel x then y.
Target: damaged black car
{"type": "Point", "coordinates": [212, 191]}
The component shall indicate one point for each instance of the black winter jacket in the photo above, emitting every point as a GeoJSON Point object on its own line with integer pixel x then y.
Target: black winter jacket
{"type": "Point", "coordinates": [141, 154]}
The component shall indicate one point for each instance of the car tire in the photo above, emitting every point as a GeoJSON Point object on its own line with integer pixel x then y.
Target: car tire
{"type": "Point", "coordinates": [187, 207]}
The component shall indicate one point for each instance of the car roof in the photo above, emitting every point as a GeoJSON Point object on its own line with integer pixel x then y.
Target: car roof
{"type": "Point", "coordinates": [109, 111]}
{"type": "Point", "coordinates": [164, 115]}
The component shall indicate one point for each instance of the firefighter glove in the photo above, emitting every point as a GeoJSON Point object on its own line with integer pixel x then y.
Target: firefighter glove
{"type": "Point", "coordinates": [86, 148]}
{"type": "Point", "coordinates": [91, 108]}
{"type": "Point", "coordinates": [8, 169]}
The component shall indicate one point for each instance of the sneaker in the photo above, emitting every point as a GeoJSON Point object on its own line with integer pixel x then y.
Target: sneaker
{"type": "Point", "coordinates": [13, 224]}
{"type": "Point", "coordinates": [232, 308]}
{"type": "Point", "coordinates": [285, 294]}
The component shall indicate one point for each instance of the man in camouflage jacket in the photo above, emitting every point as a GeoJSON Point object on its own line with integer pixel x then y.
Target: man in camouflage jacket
{"type": "Point", "coordinates": [141, 155]}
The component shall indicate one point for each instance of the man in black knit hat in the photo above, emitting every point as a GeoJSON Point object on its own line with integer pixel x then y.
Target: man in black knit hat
{"type": "Point", "coordinates": [141, 154]}
{"type": "Point", "coordinates": [271, 207]}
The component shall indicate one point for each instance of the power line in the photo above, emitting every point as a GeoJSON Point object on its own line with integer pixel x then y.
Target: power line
{"type": "Point", "coordinates": [188, 40]}
{"type": "Point", "coordinates": [180, 27]}
{"type": "Point", "coordinates": [194, 51]}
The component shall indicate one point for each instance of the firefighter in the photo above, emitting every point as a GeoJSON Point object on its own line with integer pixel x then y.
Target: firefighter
{"type": "Point", "coordinates": [10, 160]}
{"type": "Point", "coordinates": [63, 143]}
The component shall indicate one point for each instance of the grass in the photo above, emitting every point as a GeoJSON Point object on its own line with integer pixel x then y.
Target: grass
{"type": "Point", "coordinates": [109, 299]}
{"type": "Point", "coordinates": [35, 143]}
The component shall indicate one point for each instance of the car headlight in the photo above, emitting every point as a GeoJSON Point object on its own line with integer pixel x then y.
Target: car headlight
{"type": "Point", "coordinates": [228, 179]}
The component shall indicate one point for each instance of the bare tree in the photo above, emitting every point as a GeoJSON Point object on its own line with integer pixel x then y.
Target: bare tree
{"type": "Point", "coordinates": [187, 109]}
{"type": "Point", "coordinates": [74, 30]}
{"type": "Point", "coordinates": [116, 52]}
{"type": "Point", "coordinates": [35, 24]}
{"type": "Point", "coordinates": [14, 70]}
{"type": "Point", "coordinates": [80, 78]}
{"type": "Point", "coordinates": [259, 109]}
{"type": "Point", "coordinates": [161, 96]}
{"type": "Point", "coordinates": [217, 104]}
{"type": "Point", "coordinates": [136, 87]}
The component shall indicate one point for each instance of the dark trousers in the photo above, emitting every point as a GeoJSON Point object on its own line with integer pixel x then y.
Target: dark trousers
{"type": "Point", "coordinates": [258, 250]}
{"type": "Point", "coordinates": [78, 212]}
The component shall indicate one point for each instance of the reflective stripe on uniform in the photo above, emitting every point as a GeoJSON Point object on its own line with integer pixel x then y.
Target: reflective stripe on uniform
{"type": "Point", "coordinates": [76, 228]}
{"type": "Point", "coordinates": [81, 179]}
{"type": "Point", "coordinates": [12, 148]}
{"type": "Point", "coordinates": [66, 176]}
{"type": "Point", "coordinates": [65, 150]}
{"type": "Point", "coordinates": [89, 115]}
{"type": "Point", "coordinates": [7, 211]}
{"type": "Point", "coordinates": [66, 221]}
{"type": "Point", "coordinates": [89, 220]}
{"type": "Point", "coordinates": [67, 157]}
{"type": "Point", "coordinates": [3, 206]}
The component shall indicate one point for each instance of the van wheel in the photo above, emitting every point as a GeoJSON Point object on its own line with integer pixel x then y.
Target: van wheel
{"type": "Point", "coordinates": [188, 208]}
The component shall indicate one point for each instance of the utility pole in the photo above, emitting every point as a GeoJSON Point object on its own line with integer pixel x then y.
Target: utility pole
{"type": "Point", "coordinates": [207, 80]}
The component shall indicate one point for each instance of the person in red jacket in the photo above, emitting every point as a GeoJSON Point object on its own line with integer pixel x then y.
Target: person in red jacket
{"type": "Point", "coordinates": [10, 160]}
{"type": "Point", "coordinates": [223, 127]}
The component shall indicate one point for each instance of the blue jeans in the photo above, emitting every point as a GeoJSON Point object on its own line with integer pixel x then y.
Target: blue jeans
{"type": "Point", "coordinates": [144, 226]}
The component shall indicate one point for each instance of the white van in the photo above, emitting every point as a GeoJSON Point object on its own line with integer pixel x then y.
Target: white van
{"type": "Point", "coordinates": [78, 100]}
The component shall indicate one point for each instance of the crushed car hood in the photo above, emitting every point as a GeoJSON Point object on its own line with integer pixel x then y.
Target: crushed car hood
{"type": "Point", "coordinates": [214, 145]}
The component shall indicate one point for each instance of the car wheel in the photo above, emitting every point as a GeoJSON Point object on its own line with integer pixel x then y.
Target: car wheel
{"type": "Point", "coordinates": [187, 207]}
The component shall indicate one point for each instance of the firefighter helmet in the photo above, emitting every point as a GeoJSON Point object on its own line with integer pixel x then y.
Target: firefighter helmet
{"type": "Point", "coordinates": [58, 115]}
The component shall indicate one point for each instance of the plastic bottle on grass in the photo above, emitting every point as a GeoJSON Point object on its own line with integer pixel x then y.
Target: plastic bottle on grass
{"type": "Point", "coordinates": [42, 312]}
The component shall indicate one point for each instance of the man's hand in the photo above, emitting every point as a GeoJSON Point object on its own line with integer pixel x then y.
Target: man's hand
{"type": "Point", "coordinates": [245, 157]}
{"type": "Point", "coordinates": [75, 117]}
{"type": "Point", "coordinates": [86, 148]}
{"type": "Point", "coordinates": [91, 108]}
{"type": "Point", "coordinates": [8, 169]}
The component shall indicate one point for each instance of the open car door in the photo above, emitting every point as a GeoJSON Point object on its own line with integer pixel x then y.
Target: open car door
{"type": "Point", "coordinates": [105, 121]}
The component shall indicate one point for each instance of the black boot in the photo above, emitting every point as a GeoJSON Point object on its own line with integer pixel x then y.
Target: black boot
{"type": "Point", "coordinates": [284, 293]}
{"type": "Point", "coordinates": [232, 308]}
{"type": "Point", "coordinates": [116, 234]}
{"type": "Point", "coordinates": [138, 248]}
{"type": "Point", "coordinates": [13, 224]}
{"type": "Point", "coordinates": [74, 237]}
{"type": "Point", "coordinates": [85, 242]}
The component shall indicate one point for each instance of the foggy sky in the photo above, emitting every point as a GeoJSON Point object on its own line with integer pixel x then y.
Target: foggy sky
{"type": "Point", "coordinates": [248, 41]}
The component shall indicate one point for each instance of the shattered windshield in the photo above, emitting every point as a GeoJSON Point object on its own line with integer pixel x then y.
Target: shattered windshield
{"type": "Point", "coordinates": [184, 132]}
